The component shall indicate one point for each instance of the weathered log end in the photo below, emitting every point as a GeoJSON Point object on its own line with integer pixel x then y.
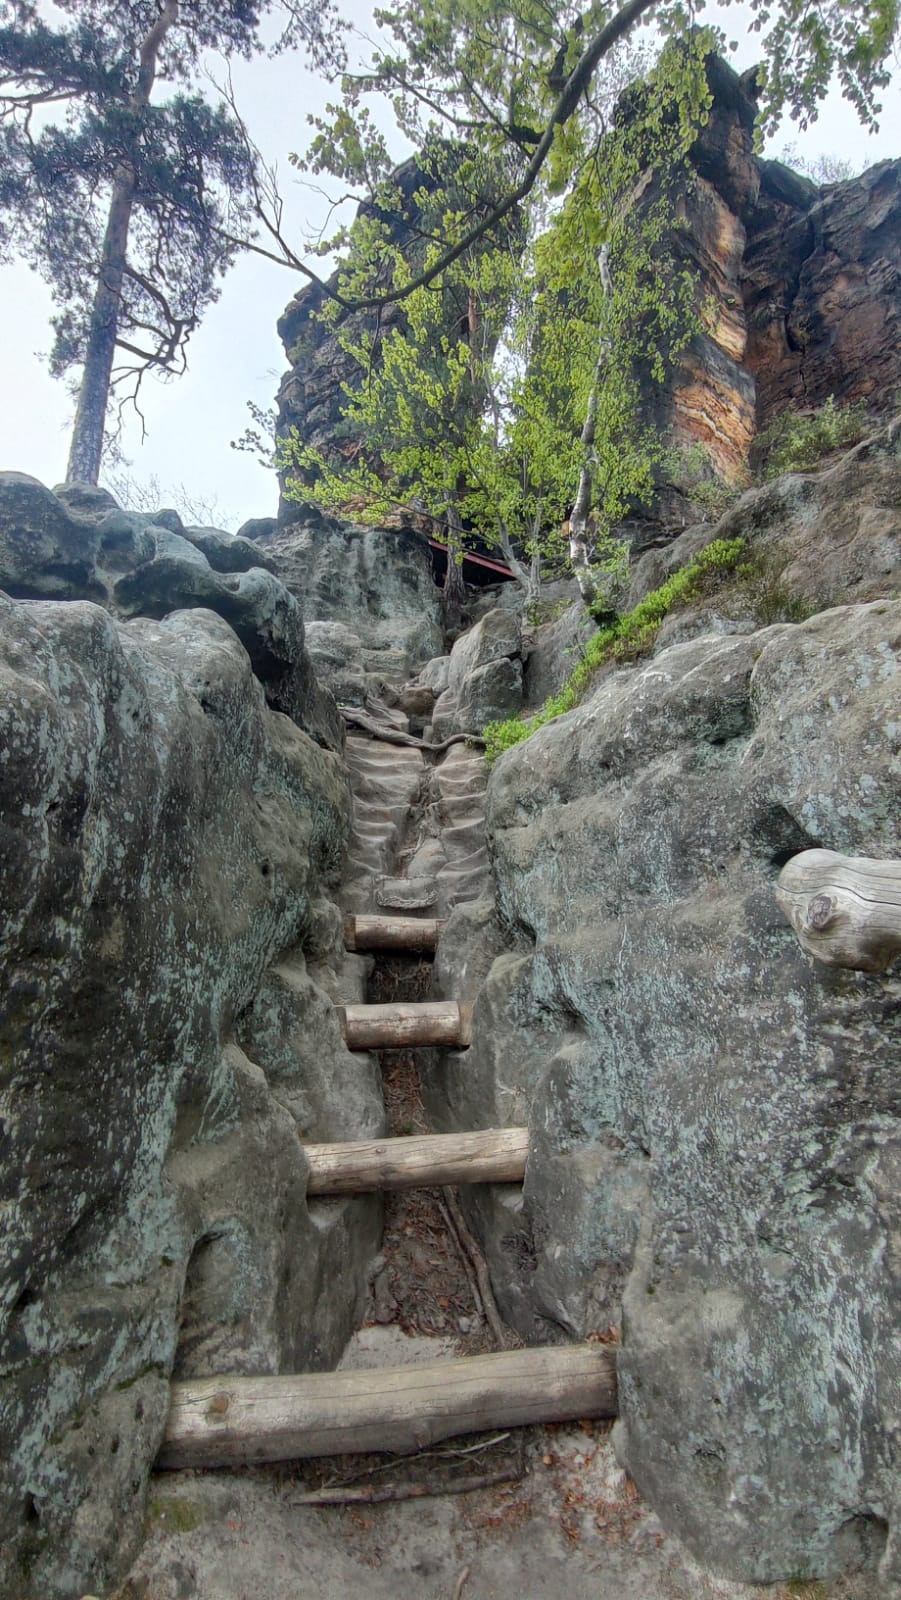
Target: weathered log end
{"type": "Point", "coordinates": [845, 910]}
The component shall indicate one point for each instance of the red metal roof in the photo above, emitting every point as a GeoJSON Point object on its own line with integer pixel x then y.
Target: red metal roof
{"type": "Point", "coordinates": [479, 561]}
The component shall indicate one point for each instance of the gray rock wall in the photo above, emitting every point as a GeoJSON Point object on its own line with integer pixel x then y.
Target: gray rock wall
{"type": "Point", "coordinates": [168, 950]}
{"type": "Point", "coordinates": [368, 597]}
{"type": "Point", "coordinates": [716, 1120]}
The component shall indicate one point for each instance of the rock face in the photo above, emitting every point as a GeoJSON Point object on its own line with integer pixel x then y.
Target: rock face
{"type": "Point", "coordinates": [78, 545]}
{"type": "Point", "coordinates": [484, 677]}
{"type": "Point", "coordinates": [716, 1120]}
{"type": "Point", "coordinates": [367, 595]}
{"type": "Point", "coordinates": [168, 953]}
{"type": "Point", "coordinates": [800, 288]}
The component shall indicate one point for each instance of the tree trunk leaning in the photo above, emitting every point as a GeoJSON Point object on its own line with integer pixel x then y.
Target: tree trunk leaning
{"type": "Point", "coordinates": [402, 1026]}
{"type": "Point", "coordinates": [218, 1422]}
{"type": "Point", "coordinates": [86, 449]}
{"type": "Point", "coordinates": [426, 1160]}
{"type": "Point", "coordinates": [845, 910]}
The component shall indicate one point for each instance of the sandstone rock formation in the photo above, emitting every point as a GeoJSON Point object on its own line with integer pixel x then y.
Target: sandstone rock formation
{"type": "Point", "coordinates": [78, 545]}
{"type": "Point", "coordinates": [801, 288]}
{"type": "Point", "coordinates": [484, 677]}
{"type": "Point", "coordinates": [168, 950]}
{"type": "Point", "coordinates": [367, 595]}
{"type": "Point", "coordinates": [715, 1119]}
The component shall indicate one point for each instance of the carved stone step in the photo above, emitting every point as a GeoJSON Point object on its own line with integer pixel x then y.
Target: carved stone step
{"type": "Point", "coordinates": [406, 894]}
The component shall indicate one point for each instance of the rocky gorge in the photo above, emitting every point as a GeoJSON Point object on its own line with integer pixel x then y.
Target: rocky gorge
{"type": "Point", "coordinates": [188, 812]}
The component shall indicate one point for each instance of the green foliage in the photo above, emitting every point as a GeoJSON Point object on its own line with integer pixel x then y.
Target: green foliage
{"type": "Point", "coordinates": [796, 440]}
{"type": "Point", "coordinates": [630, 635]}
{"type": "Point", "coordinates": [759, 590]}
{"type": "Point", "coordinates": [691, 471]}
{"type": "Point", "coordinates": [476, 402]}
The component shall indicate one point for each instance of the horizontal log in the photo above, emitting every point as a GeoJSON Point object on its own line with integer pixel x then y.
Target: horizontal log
{"type": "Point", "coordinates": [402, 1025]}
{"type": "Point", "coordinates": [391, 933]}
{"type": "Point", "coordinates": [426, 1160]}
{"type": "Point", "coordinates": [845, 910]}
{"type": "Point", "coordinates": [218, 1422]}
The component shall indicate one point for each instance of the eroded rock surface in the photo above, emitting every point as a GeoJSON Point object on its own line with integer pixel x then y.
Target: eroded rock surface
{"type": "Point", "coordinates": [484, 677]}
{"type": "Point", "coordinates": [78, 545]}
{"type": "Point", "coordinates": [372, 611]}
{"type": "Point", "coordinates": [716, 1120]}
{"type": "Point", "coordinates": [167, 850]}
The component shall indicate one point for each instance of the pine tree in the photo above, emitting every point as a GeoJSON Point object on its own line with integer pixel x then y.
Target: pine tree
{"type": "Point", "coordinates": [128, 204]}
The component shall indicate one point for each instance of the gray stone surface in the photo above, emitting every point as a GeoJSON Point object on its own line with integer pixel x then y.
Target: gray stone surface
{"type": "Point", "coordinates": [823, 537]}
{"type": "Point", "coordinates": [374, 589]}
{"type": "Point", "coordinates": [716, 1119]}
{"type": "Point", "coordinates": [553, 652]}
{"type": "Point", "coordinates": [78, 545]}
{"type": "Point", "coordinates": [166, 846]}
{"type": "Point", "coordinates": [484, 677]}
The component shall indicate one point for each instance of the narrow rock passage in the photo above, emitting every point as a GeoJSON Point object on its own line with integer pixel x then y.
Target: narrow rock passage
{"type": "Point", "coordinates": [546, 1509]}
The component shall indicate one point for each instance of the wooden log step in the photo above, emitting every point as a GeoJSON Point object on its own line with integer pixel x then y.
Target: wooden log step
{"type": "Point", "coordinates": [423, 1160]}
{"type": "Point", "coordinates": [219, 1422]}
{"type": "Point", "coordinates": [402, 1025]}
{"type": "Point", "coordinates": [391, 933]}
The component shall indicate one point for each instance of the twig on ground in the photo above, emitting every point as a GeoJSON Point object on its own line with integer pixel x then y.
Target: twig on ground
{"type": "Point", "coordinates": [460, 1584]}
{"type": "Point", "coordinates": [505, 1338]}
{"type": "Point", "coordinates": [376, 1494]}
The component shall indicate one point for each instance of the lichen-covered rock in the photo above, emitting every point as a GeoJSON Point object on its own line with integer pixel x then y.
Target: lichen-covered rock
{"type": "Point", "coordinates": [484, 677]}
{"type": "Point", "coordinates": [813, 540]}
{"type": "Point", "coordinates": [78, 545]}
{"type": "Point", "coordinates": [716, 1119]}
{"type": "Point", "coordinates": [166, 842]}
{"type": "Point", "coordinates": [367, 596]}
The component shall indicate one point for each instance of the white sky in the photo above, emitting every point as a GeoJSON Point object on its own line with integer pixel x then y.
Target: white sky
{"type": "Point", "coordinates": [236, 355]}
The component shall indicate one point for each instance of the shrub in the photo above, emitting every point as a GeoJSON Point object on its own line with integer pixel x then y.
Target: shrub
{"type": "Point", "coordinates": [628, 636]}
{"type": "Point", "coordinates": [794, 440]}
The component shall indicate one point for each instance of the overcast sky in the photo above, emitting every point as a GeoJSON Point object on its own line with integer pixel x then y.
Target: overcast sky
{"type": "Point", "coordinates": [236, 355]}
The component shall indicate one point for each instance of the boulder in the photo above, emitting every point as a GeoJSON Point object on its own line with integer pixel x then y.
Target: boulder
{"type": "Point", "coordinates": [167, 850]}
{"type": "Point", "coordinates": [715, 1117]}
{"type": "Point", "coordinates": [78, 545]}
{"type": "Point", "coordinates": [484, 677]}
{"type": "Point", "coordinates": [370, 591]}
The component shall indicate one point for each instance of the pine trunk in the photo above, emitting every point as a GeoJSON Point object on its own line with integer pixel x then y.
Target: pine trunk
{"type": "Point", "coordinates": [86, 448]}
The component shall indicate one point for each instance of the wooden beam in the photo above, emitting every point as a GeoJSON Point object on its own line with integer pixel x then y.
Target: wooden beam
{"type": "Point", "coordinates": [425, 1160]}
{"type": "Point", "coordinates": [218, 1422]}
{"type": "Point", "coordinates": [845, 910]}
{"type": "Point", "coordinates": [391, 933]}
{"type": "Point", "coordinates": [405, 1024]}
